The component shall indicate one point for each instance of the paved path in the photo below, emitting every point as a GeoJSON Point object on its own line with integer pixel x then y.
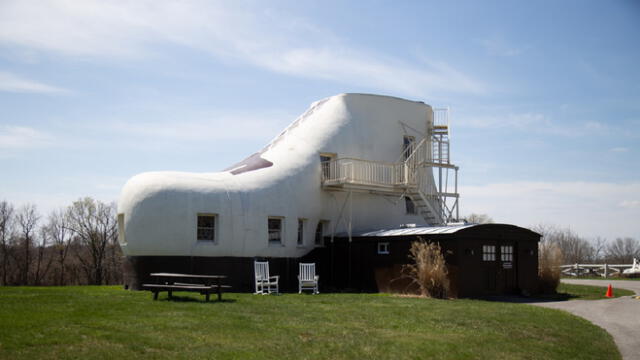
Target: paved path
{"type": "Point", "coordinates": [620, 317]}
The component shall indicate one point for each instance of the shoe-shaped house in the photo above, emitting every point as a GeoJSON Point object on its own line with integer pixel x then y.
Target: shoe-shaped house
{"type": "Point", "coordinates": [351, 162]}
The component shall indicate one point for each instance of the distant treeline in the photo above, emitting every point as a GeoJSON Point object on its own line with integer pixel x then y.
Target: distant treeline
{"type": "Point", "coordinates": [76, 245]}
{"type": "Point", "coordinates": [578, 250]}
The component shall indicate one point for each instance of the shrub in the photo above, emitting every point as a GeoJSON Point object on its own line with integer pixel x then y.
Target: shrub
{"type": "Point", "coordinates": [549, 261]}
{"type": "Point", "coordinates": [428, 270]}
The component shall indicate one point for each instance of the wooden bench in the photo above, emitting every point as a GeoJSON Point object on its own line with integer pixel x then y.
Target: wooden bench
{"type": "Point", "coordinates": [167, 282]}
{"type": "Point", "coordinates": [170, 288]}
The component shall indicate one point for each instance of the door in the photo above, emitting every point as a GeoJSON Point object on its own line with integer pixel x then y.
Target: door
{"type": "Point", "coordinates": [508, 268]}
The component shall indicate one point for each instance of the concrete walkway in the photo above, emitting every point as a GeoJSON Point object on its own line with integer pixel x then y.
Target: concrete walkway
{"type": "Point", "coordinates": [620, 317]}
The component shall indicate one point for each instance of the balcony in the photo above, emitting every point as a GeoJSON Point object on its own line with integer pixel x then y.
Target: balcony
{"type": "Point", "coordinates": [365, 174]}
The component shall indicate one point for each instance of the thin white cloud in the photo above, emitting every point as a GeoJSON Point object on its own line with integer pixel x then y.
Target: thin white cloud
{"type": "Point", "coordinates": [510, 120]}
{"type": "Point", "coordinates": [534, 122]}
{"type": "Point", "coordinates": [13, 83]}
{"type": "Point", "coordinates": [230, 31]}
{"type": "Point", "coordinates": [211, 127]}
{"type": "Point", "coordinates": [592, 209]}
{"type": "Point", "coordinates": [594, 125]}
{"type": "Point", "coordinates": [619, 149]}
{"type": "Point", "coordinates": [498, 46]}
{"type": "Point", "coordinates": [22, 137]}
{"type": "Point", "coordinates": [630, 204]}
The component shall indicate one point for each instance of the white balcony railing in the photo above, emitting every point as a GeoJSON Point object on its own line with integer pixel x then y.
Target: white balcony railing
{"type": "Point", "coordinates": [362, 172]}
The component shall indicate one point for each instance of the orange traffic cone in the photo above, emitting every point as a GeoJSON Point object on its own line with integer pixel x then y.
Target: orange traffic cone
{"type": "Point", "coordinates": [609, 293]}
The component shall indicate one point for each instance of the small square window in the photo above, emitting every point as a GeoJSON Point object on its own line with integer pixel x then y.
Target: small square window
{"type": "Point", "coordinates": [275, 230]}
{"type": "Point", "coordinates": [301, 227]}
{"type": "Point", "coordinates": [488, 253]}
{"type": "Point", "coordinates": [206, 227]}
{"type": "Point", "coordinates": [383, 248]}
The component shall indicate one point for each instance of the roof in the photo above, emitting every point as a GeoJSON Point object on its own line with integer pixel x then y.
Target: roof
{"type": "Point", "coordinates": [439, 230]}
{"type": "Point", "coordinates": [419, 230]}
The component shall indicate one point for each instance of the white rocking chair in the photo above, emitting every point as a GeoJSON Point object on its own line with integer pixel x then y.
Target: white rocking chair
{"type": "Point", "coordinates": [265, 284]}
{"type": "Point", "coordinates": [307, 278]}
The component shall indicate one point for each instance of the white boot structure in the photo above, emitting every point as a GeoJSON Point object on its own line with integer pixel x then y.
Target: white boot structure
{"type": "Point", "coordinates": [351, 162]}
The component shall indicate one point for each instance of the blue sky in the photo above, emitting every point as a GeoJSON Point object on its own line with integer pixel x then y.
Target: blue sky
{"type": "Point", "coordinates": [544, 96]}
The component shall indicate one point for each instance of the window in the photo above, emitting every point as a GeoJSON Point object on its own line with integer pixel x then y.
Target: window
{"type": "Point", "coordinates": [121, 229]}
{"type": "Point", "coordinates": [408, 145]}
{"type": "Point", "coordinates": [488, 253]}
{"type": "Point", "coordinates": [325, 162]}
{"type": "Point", "coordinates": [409, 205]}
{"type": "Point", "coordinates": [206, 227]}
{"type": "Point", "coordinates": [506, 253]}
{"type": "Point", "coordinates": [301, 232]}
{"type": "Point", "coordinates": [320, 229]}
{"type": "Point", "coordinates": [275, 230]}
{"type": "Point", "coordinates": [383, 248]}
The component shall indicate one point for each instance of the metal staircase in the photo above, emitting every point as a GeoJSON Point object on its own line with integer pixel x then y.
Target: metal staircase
{"type": "Point", "coordinates": [423, 175]}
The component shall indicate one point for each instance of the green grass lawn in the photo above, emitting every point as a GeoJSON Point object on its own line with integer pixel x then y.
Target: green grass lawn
{"type": "Point", "coordinates": [108, 322]}
{"type": "Point", "coordinates": [586, 292]}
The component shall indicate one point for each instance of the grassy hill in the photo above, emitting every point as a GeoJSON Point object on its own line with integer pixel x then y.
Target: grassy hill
{"type": "Point", "coordinates": [108, 322]}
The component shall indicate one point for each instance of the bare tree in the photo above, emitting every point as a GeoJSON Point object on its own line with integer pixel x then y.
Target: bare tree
{"type": "Point", "coordinates": [58, 231]}
{"type": "Point", "coordinates": [574, 249]}
{"type": "Point", "coordinates": [623, 251]}
{"type": "Point", "coordinates": [114, 275]}
{"type": "Point", "coordinates": [94, 224]}
{"type": "Point", "coordinates": [599, 245]}
{"type": "Point", "coordinates": [478, 219]}
{"type": "Point", "coordinates": [6, 233]}
{"type": "Point", "coordinates": [44, 259]}
{"type": "Point", "coordinates": [27, 219]}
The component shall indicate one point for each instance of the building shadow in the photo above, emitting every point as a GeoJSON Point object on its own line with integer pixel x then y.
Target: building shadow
{"type": "Point", "coordinates": [519, 299]}
{"type": "Point", "coordinates": [187, 299]}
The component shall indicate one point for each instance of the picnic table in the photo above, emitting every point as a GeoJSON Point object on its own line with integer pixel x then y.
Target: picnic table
{"type": "Point", "coordinates": [170, 282]}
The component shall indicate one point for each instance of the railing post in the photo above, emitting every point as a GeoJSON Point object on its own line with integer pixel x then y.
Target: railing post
{"type": "Point", "coordinates": [606, 270]}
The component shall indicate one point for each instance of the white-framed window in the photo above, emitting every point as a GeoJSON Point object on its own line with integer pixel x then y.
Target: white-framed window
{"type": "Point", "coordinates": [383, 248]}
{"type": "Point", "coordinates": [206, 227]}
{"type": "Point", "coordinates": [301, 226]}
{"type": "Point", "coordinates": [506, 253]}
{"type": "Point", "coordinates": [275, 228]}
{"type": "Point", "coordinates": [322, 226]}
{"type": "Point", "coordinates": [488, 253]}
{"type": "Point", "coordinates": [121, 237]}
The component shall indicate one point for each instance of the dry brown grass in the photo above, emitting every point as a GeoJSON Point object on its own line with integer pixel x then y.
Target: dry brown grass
{"type": "Point", "coordinates": [428, 270]}
{"type": "Point", "coordinates": [549, 261]}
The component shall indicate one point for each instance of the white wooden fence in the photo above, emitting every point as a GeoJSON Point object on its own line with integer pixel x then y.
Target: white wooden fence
{"type": "Point", "coordinates": [602, 270]}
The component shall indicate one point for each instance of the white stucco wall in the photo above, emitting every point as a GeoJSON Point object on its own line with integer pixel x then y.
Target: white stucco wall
{"type": "Point", "coordinates": [160, 208]}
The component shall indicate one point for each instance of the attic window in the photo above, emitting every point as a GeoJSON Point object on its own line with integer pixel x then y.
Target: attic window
{"type": "Point", "coordinates": [326, 162]}
{"type": "Point", "coordinates": [383, 248]}
{"type": "Point", "coordinates": [409, 205]}
{"type": "Point", "coordinates": [408, 145]}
